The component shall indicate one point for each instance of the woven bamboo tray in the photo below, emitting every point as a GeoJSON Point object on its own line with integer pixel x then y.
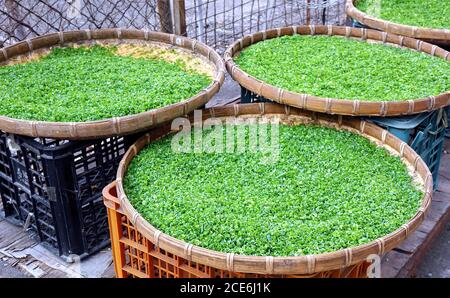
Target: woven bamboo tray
{"type": "Point", "coordinates": [432, 35]}
{"type": "Point", "coordinates": [139, 249]}
{"type": "Point", "coordinates": [352, 107]}
{"type": "Point", "coordinates": [119, 125]}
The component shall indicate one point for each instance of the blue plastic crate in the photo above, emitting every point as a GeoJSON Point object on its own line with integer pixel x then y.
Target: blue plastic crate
{"type": "Point", "coordinates": [424, 132]}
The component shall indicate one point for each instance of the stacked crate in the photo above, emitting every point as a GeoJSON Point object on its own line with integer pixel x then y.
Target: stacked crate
{"type": "Point", "coordinates": [54, 187]}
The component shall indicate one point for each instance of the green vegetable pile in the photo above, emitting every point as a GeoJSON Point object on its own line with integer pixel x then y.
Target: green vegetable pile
{"type": "Point", "coordinates": [329, 190]}
{"type": "Point", "coordinates": [422, 13]}
{"type": "Point", "coordinates": [341, 68]}
{"type": "Point", "coordinates": [84, 84]}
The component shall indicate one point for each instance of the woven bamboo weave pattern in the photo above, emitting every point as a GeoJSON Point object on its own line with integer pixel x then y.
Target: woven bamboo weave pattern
{"type": "Point", "coordinates": [119, 125]}
{"type": "Point", "coordinates": [301, 265]}
{"type": "Point", "coordinates": [353, 107]}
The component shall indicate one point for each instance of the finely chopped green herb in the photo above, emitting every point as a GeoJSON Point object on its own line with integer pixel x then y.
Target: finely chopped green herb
{"type": "Point", "coordinates": [329, 190]}
{"type": "Point", "coordinates": [84, 84]}
{"type": "Point", "coordinates": [336, 67]}
{"type": "Point", "coordinates": [422, 13]}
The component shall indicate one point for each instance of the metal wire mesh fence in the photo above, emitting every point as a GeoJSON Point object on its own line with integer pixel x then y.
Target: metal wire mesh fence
{"type": "Point", "coordinates": [21, 19]}
{"type": "Point", "coordinates": [215, 22]}
{"type": "Point", "coordinates": [218, 23]}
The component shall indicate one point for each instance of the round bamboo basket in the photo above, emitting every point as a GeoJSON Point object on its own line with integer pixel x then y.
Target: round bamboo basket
{"type": "Point", "coordinates": [268, 265]}
{"type": "Point", "coordinates": [118, 125]}
{"type": "Point", "coordinates": [432, 35]}
{"type": "Point", "coordinates": [352, 107]}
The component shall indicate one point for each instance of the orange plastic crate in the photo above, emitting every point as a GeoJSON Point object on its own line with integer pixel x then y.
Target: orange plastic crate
{"type": "Point", "coordinates": [135, 255]}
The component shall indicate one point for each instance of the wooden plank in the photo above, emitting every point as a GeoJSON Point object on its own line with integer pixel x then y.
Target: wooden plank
{"type": "Point", "coordinates": [308, 13]}
{"type": "Point", "coordinates": [179, 17]}
{"type": "Point", "coordinates": [413, 243]}
{"type": "Point", "coordinates": [13, 236]}
{"type": "Point", "coordinates": [427, 226]}
{"type": "Point", "coordinates": [22, 253]}
{"type": "Point", "coordinates": [414, 260]}
{"type": "Point", "coordinates": [16, 245]}
{"type": "Point", "coordinates": [109, 272]}
{"type": "Point", "coordinates": [392, 263]}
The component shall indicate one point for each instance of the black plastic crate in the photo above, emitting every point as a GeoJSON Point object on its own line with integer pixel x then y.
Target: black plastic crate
{"type": "Point", "coordinates": [54, 187]}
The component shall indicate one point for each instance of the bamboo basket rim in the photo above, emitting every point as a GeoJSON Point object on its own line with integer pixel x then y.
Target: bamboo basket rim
{"type": "Point", "coordinates": [437, 34]}
{"type": "Point", "coordinates": [308, 264]}
{"type": "Point", "coordinates": [115, 126]}
{"type": "Point", "coordinates": [352, 107]}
